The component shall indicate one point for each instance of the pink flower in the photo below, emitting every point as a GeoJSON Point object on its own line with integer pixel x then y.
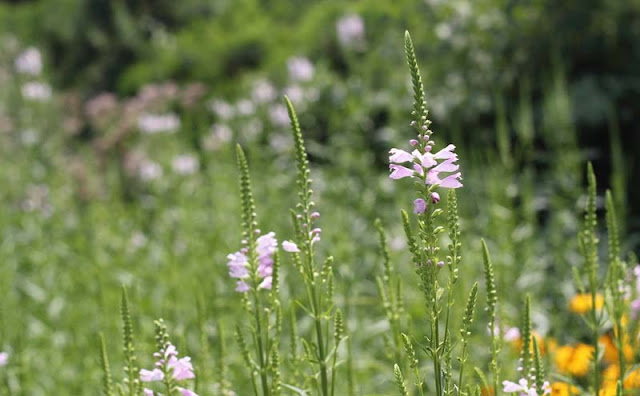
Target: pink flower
{"type": "Point", "coordinates": [399, 172]}
{"type": "Point", "coordinates": [239, 266]}
{"type": "Point", "coordinates": [242, 287]}
{"type": "Point", "coordinates": [435, 197]}
{"type": "Point", "coordinates": [426, 162]}
{"type": "Point", "coordinates": [186, 392]}
{"type": "Point", "coordinates": [148, 392]}
{"type": "Point", "coordinates": [4, 358]}
{"type": "Point", "coordinates": [523, 389]}
{"type": "Point", "coordinates": [266, 283]}
{"type": "Point", "coordinates": [419, 206]}
{"type": "Point", "coordinates": [150, 376]}
{"type": "Point", "coordinates": [399, 156]}
{"type": "Point", "coordinates": [290, 247]}
{"type": "Point", "coordinates": [182, 368]}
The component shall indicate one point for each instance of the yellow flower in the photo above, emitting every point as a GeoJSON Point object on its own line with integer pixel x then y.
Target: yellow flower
{"type": "Point", "coordinates": [581, 303]}
{"type": "Point", "coordinates": [608, 389]}
{"type": "Point", "coordinates": [563, 389]}
{"type": "Point", "coordinates": [574, 360]}
{"type": "Point", "coordinates": [632, 380]}
{"type": "Point", "coordinates": [611, 351]}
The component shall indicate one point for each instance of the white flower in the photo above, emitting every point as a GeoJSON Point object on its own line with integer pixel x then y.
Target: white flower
{"type": "Point", "coordinates": [350, 29]}
{"type": "Point", "coordinates": [222, 109]}
{"type": "Point", "coordinates": [149, 170]}
{"type": "Point", "coordinates": [263, 91]}
{"type": "Point", "coordinates": [36, 91]}
{"type": "Point", "coordinates": [279, 115]}
{"type": "Point", "coordinates": [300, 68]}
{"type": "Point", "coordinates": [4, 358]}
{"type": "Point", "coordinates": [156, 123]}
{"type": "Point", "coordinates": [29, 62]}
{"type": "Point", "coordinates": [185, 164]}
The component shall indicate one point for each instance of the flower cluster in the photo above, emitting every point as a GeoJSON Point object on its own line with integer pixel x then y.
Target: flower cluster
{"type": "Point", "coordinates": [239, 266]}
{"type": "Point", "coordinates": [523, 388]}
{"type": "Point", "coordinates": [168, 363]}
{"type": "Point", "coordinates": [425, 165]}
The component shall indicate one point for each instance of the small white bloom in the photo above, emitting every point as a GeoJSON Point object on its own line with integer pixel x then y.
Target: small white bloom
{"type": "Point", "coordinates": [36, 91]}
{"type": "Point", "coordinates": [279, 115]}
{"type": "Point", "coordinates": [222, 109]}
{"type": "Point", "coordinates": [300, 68]}
{"type": "Point", "coordinates": [245, 107]}
{"type": "Point", "coordinates": [29, 62]}
{"type": "Point", "coordinates": [263, 91]}
{"type": "Point", "coordinates": [149, 171]}
{"type": "Point", "coordinates": [156, 123]}
{"type": "Point", "coordinates": [185, 164]}
{"type": "Point", "coordinates": [350, 29]}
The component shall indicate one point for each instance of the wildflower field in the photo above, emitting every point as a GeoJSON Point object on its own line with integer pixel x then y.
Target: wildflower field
{"type": "Point", "coordinates": [271, 198]}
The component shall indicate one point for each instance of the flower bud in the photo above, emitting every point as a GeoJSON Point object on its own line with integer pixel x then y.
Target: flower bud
{"type": "Point", "coordinates": [435, 197]}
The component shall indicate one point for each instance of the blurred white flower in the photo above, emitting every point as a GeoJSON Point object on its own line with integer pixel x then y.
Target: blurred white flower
{"type": "Point", "coordinates": [300, 68]}
{"type": "Point", "coordinates": [220, 134]}
{"type": "Point", "coordinates": [138, 240]}
{"type": "Point", "coordinates": [149, 171]}
{"type": "Point", "coordinates": [29, 137]}
{"type": "Point", "coordinates": [444, 31]}
{"type": "Point", "coordinates": [29, 62]}
{"type": "Point", "coordinates": [36, 91]}
{"type": "Point", "coordinates": [156, 123]}
{"type": "Point", "coordinates": [295, 93]}
{"type": "Point", "coordinates": [280, 142]}
{"type": "Point", "coordinates": [222, 109]}
{"type": "Point", "coordinates": [4, 358]}
{"type": "Point", "coordinates": [263, 91]}
{"type": "Point", "coordinates": [245, 107]}
{"type": "Point", "coordinates": [279, 115]}
{"type": "Point", "coordinates": [185, 164]}
{"type": "Point", "coordinates": [350, 30]}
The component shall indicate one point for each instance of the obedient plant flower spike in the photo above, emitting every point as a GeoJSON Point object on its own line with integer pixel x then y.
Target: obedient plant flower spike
{"type": "Point", "coordinates": [420, 113]}
{"type": "Point", "coordinates": [338, 334]}
{"type": "Point", "coordinates": [589, 246]}
{"type": "Point", "coordinates": [249, 223]}
{"type": "Point", "coordinates": [402, 388]}
{"type": "Point", "coordinates": [276, 385]}
{"type": "Point", "coordinates": [413, 362]}
{"type": "Point", "coordinates": [131, 369]}
{"type": "Point", "coordinates": [525, 333]}
{"type": "Point", "coordinates": [492, 301]}
{"type": "Point", "coordinates": [613, 237]}
{"type": "Point", "coordinates": [162, 342]}
{"type": "Point", "coordinates": [390, 293]}
{"type": "Point", "coordinates": [303, 180]}
{"type": "Point", "coordinates": [246, 356]}
{"type": "Point", "coordinates": [538, 368]}
{"type": "Point", "coordinates": [617, 275]}
{"type": "Point", "coordinates": [107, 381]}
{"type": "Point", "coordinates": [465, 331]}
{"type": "Point", "coordinates": [453, 225]}
{"type": "Point", "coordinates": [307, 235]}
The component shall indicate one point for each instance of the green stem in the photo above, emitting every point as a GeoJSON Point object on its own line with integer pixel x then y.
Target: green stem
{"type": "Point", "coordinates": [261, 354]}
{"type": "Point", "coordinates": [596, 353]}
{"type": "Point", "coordinates": [320, 338]}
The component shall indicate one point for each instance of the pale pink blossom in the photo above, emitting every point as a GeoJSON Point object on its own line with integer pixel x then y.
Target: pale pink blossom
{"type": "Point", "coordinates": [290, 247]}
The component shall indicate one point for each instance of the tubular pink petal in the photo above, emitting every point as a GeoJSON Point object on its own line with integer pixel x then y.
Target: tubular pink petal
{"type": "Point", "coordinates": [399, 172]}
{"type": "Point", "coordinates": [399, 156]}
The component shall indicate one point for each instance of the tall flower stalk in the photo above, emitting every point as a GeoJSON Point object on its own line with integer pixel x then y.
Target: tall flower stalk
{"type": "Point", "coordinates": [255, 266]}
{"type": "Point", "coordinates": [318, 279]}
{"type": "Point", "coordinates": [432, 171]}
